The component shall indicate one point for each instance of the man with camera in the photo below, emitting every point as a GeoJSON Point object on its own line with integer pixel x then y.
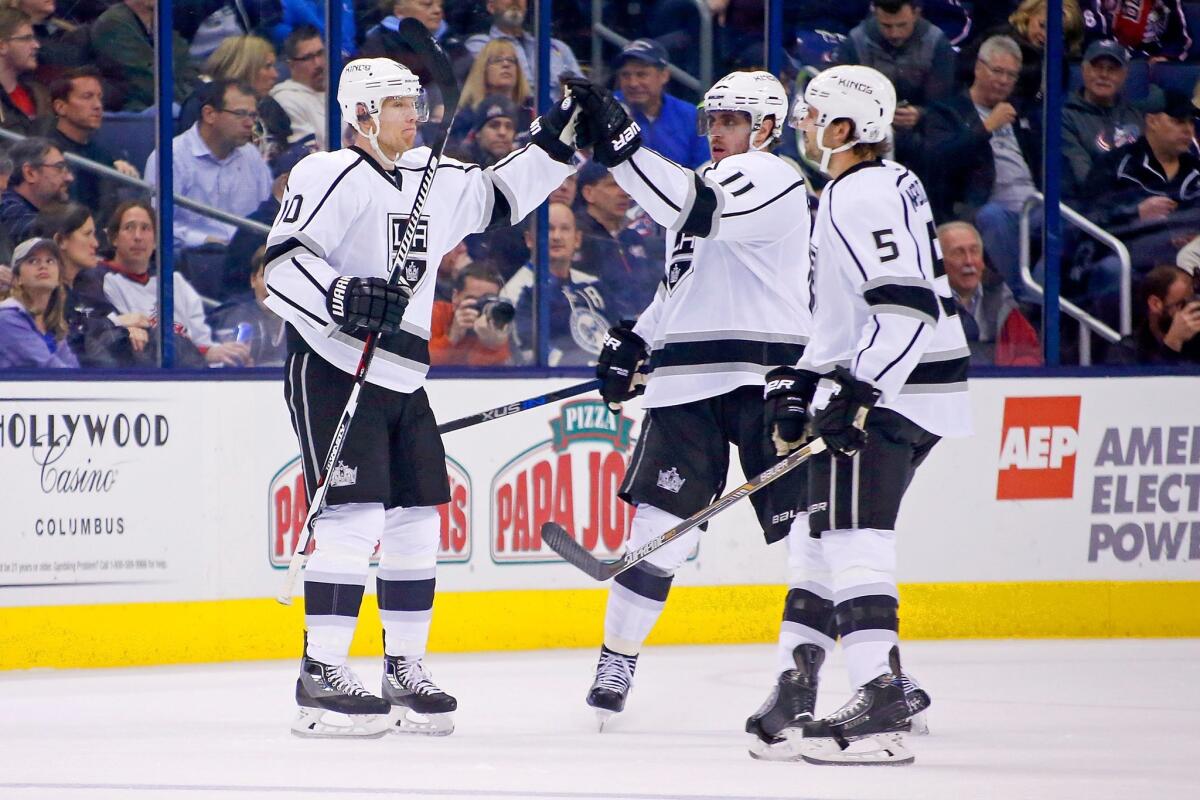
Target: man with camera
{"type": "Point", "coordinates": [1170, 324]}
{"type": "Point", "coordinates": [472, 329]}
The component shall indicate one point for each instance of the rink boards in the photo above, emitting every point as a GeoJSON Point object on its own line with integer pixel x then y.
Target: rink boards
{"type": "Point", "coordinates": [149, 522]}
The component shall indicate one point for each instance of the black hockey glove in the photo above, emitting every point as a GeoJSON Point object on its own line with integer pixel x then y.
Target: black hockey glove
{"type": "Point", "coordinates": [370, 303]}
{"type": "Point", "coordinates": [786, 398]}
{"type": "Point", "coordinates": [842, 423]}
{"type": "Point", "coordinates": [604, 124]}
{"type": "Point", "coordinates": [622, 353]}
{"type": "Point", "coordinates": [554, 131]}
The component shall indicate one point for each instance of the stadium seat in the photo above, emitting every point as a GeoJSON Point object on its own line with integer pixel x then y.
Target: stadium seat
{"type": "Point", "coordinates": [128, 135]}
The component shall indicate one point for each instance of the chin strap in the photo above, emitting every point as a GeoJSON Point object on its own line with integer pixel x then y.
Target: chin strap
{"type": "Point", "coordinates": [827, 152]}
{"type": "Point", "coordinates": [373, 139]}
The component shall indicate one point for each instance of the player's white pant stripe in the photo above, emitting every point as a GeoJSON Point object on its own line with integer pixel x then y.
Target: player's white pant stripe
{"type": "Point", "coordinates": [641, 454]}
{"type": "Point", "coordinates": [854, 490]}
{"type": "Point", "coordinates": [312, 450]}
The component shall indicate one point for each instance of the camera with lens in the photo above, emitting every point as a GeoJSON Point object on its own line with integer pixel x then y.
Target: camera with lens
{"type": "Point", "coordinates": [498, 310]}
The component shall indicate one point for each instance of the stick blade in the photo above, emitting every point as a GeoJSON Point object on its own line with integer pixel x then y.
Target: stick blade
{"type": "Point", "coordinates": [573, 552]}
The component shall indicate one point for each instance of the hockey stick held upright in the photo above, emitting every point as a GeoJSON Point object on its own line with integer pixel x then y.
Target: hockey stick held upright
{"type": "Point", "coordinates": [425, 46]}
{"type": "Point", "coordinates": [561, 541]}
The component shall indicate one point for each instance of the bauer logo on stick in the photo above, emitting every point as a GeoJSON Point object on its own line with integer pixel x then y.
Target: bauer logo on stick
{"type": "Point", "coordinates": [1038, 442]}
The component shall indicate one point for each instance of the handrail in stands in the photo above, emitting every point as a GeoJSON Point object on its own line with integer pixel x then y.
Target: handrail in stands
{"type": "Point", "coordinates": [1089, 322]}
{"type": "Point", "coordinates": [600, 31]}
{"type": "Point", "coordinates": [180, 200]}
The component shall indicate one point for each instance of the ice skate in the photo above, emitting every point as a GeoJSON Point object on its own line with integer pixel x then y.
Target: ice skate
{"type": "Point", "coordinates": [917, 698]}
{"type": "Point", "coordinates": [333, 703]}
{"type": "Point", "coordinates": [614, 677]}
{"type": "Point", "coordinates": [869, 729]}
{"type": "Point", "coordinates": [778, 724]}
{"type": "Point", "coordinates": [417, 705]}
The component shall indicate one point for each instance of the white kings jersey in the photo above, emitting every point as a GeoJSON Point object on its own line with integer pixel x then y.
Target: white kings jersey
{"type": "Point", "coordinates": [343, 214]}
{"type": "Point", "coordinates": [733, 302]}
{"type": "Point", "coordinates": [881, 299]}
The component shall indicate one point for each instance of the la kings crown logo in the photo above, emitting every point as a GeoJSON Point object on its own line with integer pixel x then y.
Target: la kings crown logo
{"type": "Point", "coordinates": [417, 263]}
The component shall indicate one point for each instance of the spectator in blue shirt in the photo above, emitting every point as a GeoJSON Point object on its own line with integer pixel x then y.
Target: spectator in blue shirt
{"type": "Point", "coordinates": [668, 124]}
{"type": "Point", "coordinates": [33, 323]}
{"type": "Point", "coordinates": [215, 164]}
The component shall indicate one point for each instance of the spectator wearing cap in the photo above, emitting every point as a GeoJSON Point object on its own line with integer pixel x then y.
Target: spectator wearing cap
{"type": "Point", "coordinates": [915, 56]}
{"type": "Point", "coordinates": [78, 101]}
{"type": "Point", "coordinates": [33, 324]}
{"type": "Point", "coordinates": [985, 157]}
{"type": "Point", "coordinates": [24, 104]}
{"type": "Point", "coordinates": [1147, 193]}
{"type": "Point", "coordinates": [245, 242]}
{"type": "Point", "coordinates": [611, 250]}
{"type": "Point", "coordinates": [495, 132]}
{"type": "Point", "coordinates": [122, 39]}
{"type": "Point", "coordinates": [1097, 120]}
{"type": "Point", "coordinates": [41, 177]}
{"type": "Point", "coordinates": [668, 124]}
{"type": "Point", "coordinates": [215, 164]}
{"type": "Point", "coordinates": [508, 22]}
{"type": "Point", "coordinates": [302, 96]}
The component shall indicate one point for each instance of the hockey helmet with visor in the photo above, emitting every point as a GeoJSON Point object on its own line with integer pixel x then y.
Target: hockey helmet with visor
{"type": "Point", "coordinates": [757, 94]}
{"type": "Point", "coordinates": [853, 92]}
{"type": "Point", "coordinates": [366, 84]}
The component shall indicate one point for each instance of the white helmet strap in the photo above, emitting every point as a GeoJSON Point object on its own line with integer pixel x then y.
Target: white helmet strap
{"type": "Point", "coordinates": [373, 138]}
{"type": "Point", "coordinates": [827, 152]}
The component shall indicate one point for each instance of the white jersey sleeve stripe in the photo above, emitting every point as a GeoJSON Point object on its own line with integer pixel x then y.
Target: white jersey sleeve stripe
{"type": "Point", "coordinates": [329, 192]}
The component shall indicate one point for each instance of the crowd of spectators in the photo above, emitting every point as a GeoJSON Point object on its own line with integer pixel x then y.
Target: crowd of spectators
{"type": "Point", "coordinates": [249, 101]}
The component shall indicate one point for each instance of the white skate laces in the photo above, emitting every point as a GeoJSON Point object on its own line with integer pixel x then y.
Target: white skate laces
{"type": "Point", "coordinates": [343, 679]}
{"type": "Point", "coordinates": [614, 672]}
{"type": "Point", "coordinates": [412, 676]}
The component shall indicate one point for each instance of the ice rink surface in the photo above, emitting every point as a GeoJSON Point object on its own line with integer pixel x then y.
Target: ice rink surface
{"type": "Point", "coordinates": [1010, 719]}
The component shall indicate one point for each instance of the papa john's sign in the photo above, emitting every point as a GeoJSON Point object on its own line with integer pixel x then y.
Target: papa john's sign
{"type": "Point", "coordinates": [570, 478]}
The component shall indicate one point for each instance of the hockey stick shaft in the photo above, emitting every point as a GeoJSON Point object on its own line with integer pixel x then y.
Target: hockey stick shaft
{"type": "Point", "coordinates": [521, 405]}
{"type": "Point", "coordinates": [317, 502]}
{"type": "Point", "coordinates": [573, 552]}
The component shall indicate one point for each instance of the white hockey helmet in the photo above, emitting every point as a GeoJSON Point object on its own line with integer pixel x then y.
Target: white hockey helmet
{"type": "Point", "coordinates": [759, 94]}
{"type": "Point", "coordinates": [860, 94]}
{"type": "Point", "coordinates": [365, 83]}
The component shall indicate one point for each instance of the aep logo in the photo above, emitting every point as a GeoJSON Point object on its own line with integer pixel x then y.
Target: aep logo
{"type": "Point", "coordinates": [1038, 442]}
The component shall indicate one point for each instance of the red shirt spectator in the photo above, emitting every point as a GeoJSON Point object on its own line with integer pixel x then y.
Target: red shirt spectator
{"type": "Point", "coordinates": [464, 331]}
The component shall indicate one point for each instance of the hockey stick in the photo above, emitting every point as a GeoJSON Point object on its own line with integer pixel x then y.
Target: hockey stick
{"type": "Point", "coordinates": [520, 405]}
{"type": "Point", "coordinates": [424, 45]}
{"type": "Point", "coordinates": [573, 552]}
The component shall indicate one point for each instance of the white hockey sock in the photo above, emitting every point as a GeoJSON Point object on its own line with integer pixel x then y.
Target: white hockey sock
{"type": "Point", "coordinates": [863, 564]}
{"type": "Point", "coordinates": [335, 575]}
{"type": "Point", "coordinates": [808, 609]}
{"type": "Point", "coordinates": [407, 579]}
{"type": "Point", "coordinates": [638, 596]}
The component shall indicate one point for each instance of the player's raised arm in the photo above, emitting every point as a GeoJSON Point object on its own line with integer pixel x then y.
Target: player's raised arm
{"type": "Point", "coordinates": [743, 197]}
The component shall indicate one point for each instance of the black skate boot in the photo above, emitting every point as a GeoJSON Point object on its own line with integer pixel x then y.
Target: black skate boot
{"type": "Point", "coordinates": [869, 728]}
{"type": "Point", "coordinates": [918, 700]}
{"type": "Point", "coordinates": [614, 676]}
{"type": "Point", "coordinates": [322, 689]}
{"type": "Point", "coordinates": [417, 704]}
{"type": "Point", "coordinates": [778, 723]}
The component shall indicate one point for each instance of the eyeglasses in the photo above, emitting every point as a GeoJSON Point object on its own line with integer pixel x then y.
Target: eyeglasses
{"type": "Point", "coordinates": [310, 57]}
{"type": "Point", "coordinates": [60, 166]}
{"type": "Point", "coordinates": [497, 60]}
{"type": "Point", "coordinates": [29, 37]}
{"type": "Point", "coordinates": [253, 116]}
{"type": "Point", "coordinates": [998, 72]}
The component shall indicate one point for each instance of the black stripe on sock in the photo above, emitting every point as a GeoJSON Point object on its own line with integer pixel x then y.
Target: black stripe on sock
{"type": "Point", "coordinates": [405, 595]}
{"type": "Point", "coordinates": [870, 612]}
{"type": "Point", "coordinates": [646, 584]}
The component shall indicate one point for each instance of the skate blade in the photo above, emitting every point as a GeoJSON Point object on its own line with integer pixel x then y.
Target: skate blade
{"type": "Point", "coordinates": [787, 749]}
{"type": "Point", "coordinates": [405, 721]}
{"type": "Point", "coordinates": [603, 715]}
{"type": "Point", "coordinates": [880, 749]}
{"type": "Point", "coordinates": [316, 723]}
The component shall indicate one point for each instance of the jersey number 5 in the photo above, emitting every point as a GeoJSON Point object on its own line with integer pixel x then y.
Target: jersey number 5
{"type": "Point", "coordinates": [885, 245]}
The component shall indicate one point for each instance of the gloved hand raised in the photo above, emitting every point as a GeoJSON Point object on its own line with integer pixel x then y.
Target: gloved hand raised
{"type": "Point", "coordinates": [370, 303]}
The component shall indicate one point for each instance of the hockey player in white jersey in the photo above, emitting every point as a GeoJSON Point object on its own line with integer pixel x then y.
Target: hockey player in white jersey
{"type": "Point", "coordinates": [732, 304]}
{"type": "Point", "coordinates": [328, 258]}
{"type": "Point", "coordinates": [882, 380]}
